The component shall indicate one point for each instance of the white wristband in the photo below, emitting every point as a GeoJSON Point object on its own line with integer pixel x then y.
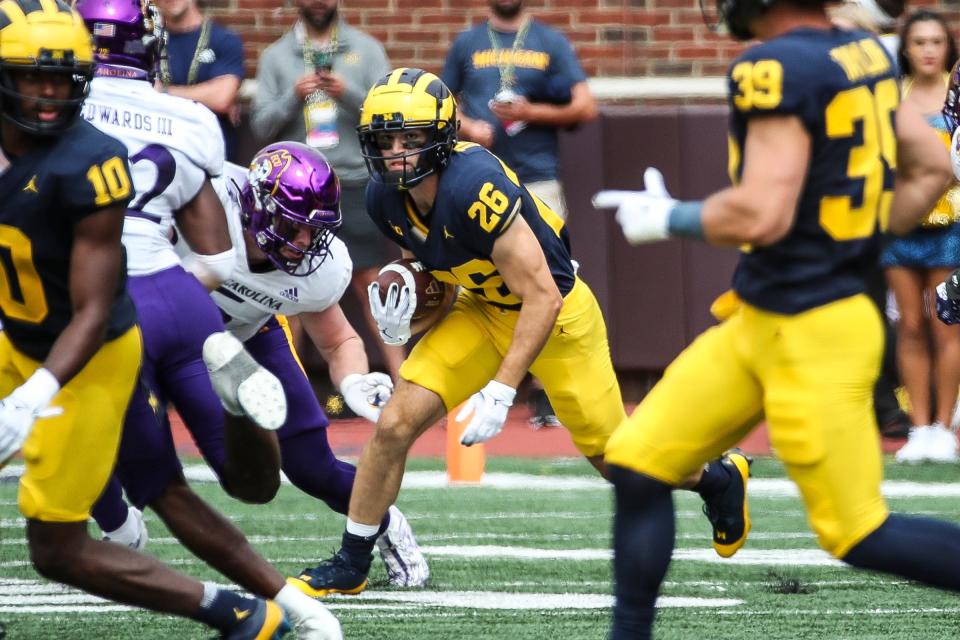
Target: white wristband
{"type": "Point", "coordinates": [211, 270]}
{"type": "Point", "coordinates": [349, 380]}
{"type": "Point", "coordinates": [38, 390]}
{"type": "Point", "coordinates": [501, 392]}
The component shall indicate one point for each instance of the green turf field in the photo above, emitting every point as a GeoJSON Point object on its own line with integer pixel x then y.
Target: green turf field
{"type": "Point", "coordinates": [530, 559]}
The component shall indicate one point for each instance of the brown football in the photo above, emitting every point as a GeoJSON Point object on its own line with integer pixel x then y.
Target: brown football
{"type": "Point", "coordinates": [413, 273]}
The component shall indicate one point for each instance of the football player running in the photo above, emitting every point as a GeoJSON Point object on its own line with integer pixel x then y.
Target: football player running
{"type": "Point", "coordinates": [70, 350]}
{"type": "Point", "coordinates": [521, 307]}
{"type": "Point", "coordinates": [283, 213]}
{"type": "Point", "coordinates": [803, 347]}
{"type": "Point", "coordinates": [174, 148]}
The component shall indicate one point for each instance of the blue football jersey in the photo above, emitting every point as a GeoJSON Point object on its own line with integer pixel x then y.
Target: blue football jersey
{"type": "Point", "coordinates": [841, 85]}
{"type": "Point", "coordinates": [42, 196]}
{"type": "Point", "coordinates": [478, 198]}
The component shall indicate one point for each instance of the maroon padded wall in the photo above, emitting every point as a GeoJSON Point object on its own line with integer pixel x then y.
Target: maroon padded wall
{"type": "Point", "coordinates": [655, 297]}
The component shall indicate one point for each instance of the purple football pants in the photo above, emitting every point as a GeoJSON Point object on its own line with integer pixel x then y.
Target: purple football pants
{"type": "Point", "coordinates": [176, 316]}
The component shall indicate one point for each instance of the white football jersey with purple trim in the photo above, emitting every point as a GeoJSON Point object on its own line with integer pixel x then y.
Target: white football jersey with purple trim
{"type": "Point", "coordinates": [173, 144]}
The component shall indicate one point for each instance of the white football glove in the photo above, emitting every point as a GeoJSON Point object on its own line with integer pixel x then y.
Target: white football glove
{"type": "Point", "coordinates": [366, 393]}
{"type": "Point", "coordinates": [393, 316]}
{"type": "Point", "coordinates": [20, 409]}
{"type": "Point", "coordinates": [643, 215]}
{"type": "Point", "coordinates": [487, 410]}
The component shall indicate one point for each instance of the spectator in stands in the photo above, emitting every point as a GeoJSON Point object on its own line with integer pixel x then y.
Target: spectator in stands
{"type": "Point", "coordinates": [204, 63]}
{"type": "Point", "coordinates": [875, 16]}
{"type": "Point", "coordinates": [310, 85]}
{"type": "Point", "coordinates": [917, 262]}
{"type": "Point", "coordinates": [518, 82]}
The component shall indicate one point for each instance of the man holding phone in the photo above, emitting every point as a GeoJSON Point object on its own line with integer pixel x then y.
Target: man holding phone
{"type": "Point", "coordinates": [310, 85]}
{"type": "Point", "coordinates": [518, 82]}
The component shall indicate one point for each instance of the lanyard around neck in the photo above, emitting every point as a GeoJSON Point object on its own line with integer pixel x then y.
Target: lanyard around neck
{"type": "Point", "coordinates": [202, 43]}
{"type": "Point", "coordinates": [507, 62]}
{"type": "Point", "coordinates": [327, 50]}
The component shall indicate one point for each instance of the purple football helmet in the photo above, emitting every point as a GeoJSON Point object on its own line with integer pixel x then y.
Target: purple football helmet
{"type": "Point", "coordinates": [290, 186]}
{"type": "Point", "coordinates": [128, 37]}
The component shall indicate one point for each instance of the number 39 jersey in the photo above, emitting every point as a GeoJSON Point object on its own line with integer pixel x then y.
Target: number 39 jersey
{"type": "Point", "coordinates": [841, 86]}
{"type": "Point", "coordinates": [478, 198]}
{"type": "Point", "coordinates": [42, 196]}
{"type": "Point", "coordinates": [173, 145]}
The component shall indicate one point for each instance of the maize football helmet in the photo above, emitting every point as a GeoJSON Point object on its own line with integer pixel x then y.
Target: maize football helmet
{"type": "Point", "coordinates": [291, 184]}
{"type": "Point", "coordinates": [402, 100]}
{"type": "Point", "coordinates": [43, 37]}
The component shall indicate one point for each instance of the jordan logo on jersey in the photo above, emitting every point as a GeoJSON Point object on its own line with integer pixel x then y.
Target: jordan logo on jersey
{"type": "Point", "coordinates": [32, 185]}
{"type": "Point", "coordinates": [290, 294]}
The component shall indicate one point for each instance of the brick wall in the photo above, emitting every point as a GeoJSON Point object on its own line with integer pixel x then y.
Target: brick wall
{"type": "Point", "coordinates": [612, 37]}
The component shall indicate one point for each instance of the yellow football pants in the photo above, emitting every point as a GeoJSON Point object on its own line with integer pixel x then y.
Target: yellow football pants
{"type": "Point", "coordinates": [69, 457]}
{"type": "Point", "coordinates": [811, 374]}
{"type": "Point", "coordinates": [460, 354]}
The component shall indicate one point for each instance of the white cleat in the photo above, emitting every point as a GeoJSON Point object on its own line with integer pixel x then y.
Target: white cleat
{"type": "Point", "coordinates": [132, 533]}
{"type": "Point", "coordinates": [915, 450]}
{"type": "Point", "coordinates": [406, 566]}
{"type": "Point", "coordinates": [941, 444]}
{"type": "Point", "coordinates": [243, 386]}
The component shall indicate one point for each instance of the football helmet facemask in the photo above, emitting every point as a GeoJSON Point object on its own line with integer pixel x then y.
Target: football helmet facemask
{"type": "Point", "coordinates": [408, 99]}
{"type": "Point", "coordinates": [43, 38]}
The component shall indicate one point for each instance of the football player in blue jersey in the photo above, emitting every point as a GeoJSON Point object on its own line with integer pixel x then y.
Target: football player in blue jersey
{"type": "Point", "coordinates": [71, 349]}
{"type": "Point", "coordinates": [521, 307]}
{"type": "Point", "coordinates": [814, 159]}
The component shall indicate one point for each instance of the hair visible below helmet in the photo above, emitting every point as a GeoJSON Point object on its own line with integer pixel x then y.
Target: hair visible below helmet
{"type": "Point", "coordinates": [128, 37]}
{"type": "Point", "coordinates": [738, 14]}
{"type": "Point", "coordinates": [291, 184]}
{"type": "Point", "coordinates": [408, 99]}
{"type": "Point", "coordinates": [45, 37]}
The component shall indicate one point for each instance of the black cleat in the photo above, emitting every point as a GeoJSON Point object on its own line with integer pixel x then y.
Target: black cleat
{"type": "Point", "coordinates": [335, 575]}
{"type": "Point", "coordinates": [729, 511]}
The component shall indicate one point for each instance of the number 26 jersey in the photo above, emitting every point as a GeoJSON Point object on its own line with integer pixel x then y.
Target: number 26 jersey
{"type": "Point", "coordinates": [478, 198]}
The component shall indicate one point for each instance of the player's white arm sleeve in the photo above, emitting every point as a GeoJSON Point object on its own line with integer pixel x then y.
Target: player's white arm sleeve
{"type": "Point", "coordinates": [211, 270]}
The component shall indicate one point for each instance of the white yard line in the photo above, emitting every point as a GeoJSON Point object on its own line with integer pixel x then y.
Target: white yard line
{"type": "Point", "coordinates": [771, 557]}
{"type": "Point", "coordinates": [42, 597]}
{"type": "Point", "coordinates": [759, 487]}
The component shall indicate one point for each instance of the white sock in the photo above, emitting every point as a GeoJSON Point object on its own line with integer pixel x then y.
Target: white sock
{"type": "Point", "coordinates": [127, 533]}
{"type": "Point", "coordinates": [362, 530]}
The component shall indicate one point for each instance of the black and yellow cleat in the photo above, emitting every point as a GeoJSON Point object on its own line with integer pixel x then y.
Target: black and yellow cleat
{"type": "Point", "coordinates": [335, 575]}
{"type": "Point", "coordinates": [729, 511]}
{"type": "Point", "coordinates": [264, 621]}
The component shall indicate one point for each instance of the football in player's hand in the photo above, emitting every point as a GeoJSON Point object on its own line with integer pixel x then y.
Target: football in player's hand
{"type": "Point", "coordinates": [415, 275]}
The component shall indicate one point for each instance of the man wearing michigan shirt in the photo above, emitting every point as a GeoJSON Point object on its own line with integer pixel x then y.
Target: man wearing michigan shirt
{"type": "Point", "coordinates": [521, 307]}
{"type": "Point", "coordinates": [813, 157]}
